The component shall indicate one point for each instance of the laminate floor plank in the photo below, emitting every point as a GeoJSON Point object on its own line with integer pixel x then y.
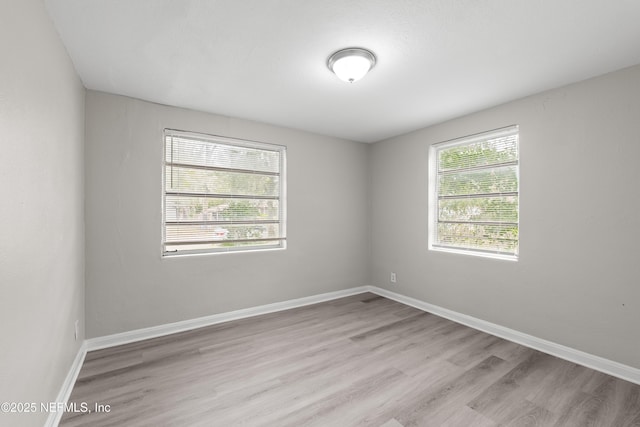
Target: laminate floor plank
{"type": "Point", "coordinates": [498, 399]}
{"type": "Point", "coordinates": [526, 414]}
{"type": "Point", "coordinates": [485, 346]}
{"type": "Point", "coordinates": [469, 418]}
{"type": "Point", "coordinates": [362, 360]}
{"type": "Point", "coordinates": [304, 392]}
{"type": "Point", "coordinates": [434, 408]}
{"type": "Point", "coordinates": [411, 354]}
{"type": "Point", "coordinates": [557, 389]}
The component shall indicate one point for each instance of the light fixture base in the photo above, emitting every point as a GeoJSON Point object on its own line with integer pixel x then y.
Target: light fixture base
{"type": "Point", "coordinates": [351, 64]}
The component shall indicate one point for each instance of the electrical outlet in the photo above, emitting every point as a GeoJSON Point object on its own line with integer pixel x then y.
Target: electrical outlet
{"type": "Point", "coordinates": [393, 277]}
{"type": "Point", "coordinates": [77, 330]}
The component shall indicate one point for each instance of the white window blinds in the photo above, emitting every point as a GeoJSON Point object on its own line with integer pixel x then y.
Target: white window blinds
{"type": "Point", "coordinates": [475, 194]}
{"type": "Point", "coordinates": [222, 194]}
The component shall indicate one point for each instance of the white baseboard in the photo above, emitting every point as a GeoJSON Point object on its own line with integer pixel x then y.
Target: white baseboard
{"type": "Point", "coordinates": [186, 325]}
{"type": "Point", "coordinates": [67, 386]}
{"type": "Point", "coordinates": [601, 364]}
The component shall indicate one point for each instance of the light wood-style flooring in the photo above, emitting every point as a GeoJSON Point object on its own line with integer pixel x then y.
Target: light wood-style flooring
{"type": "Point", "coordinates": [358, 361]}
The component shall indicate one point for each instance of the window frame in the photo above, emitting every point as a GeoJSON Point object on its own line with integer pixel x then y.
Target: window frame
{"type": "Point", "coordinates": [234, 142]}
{"type": "Point", "coordinates": [433, 193]}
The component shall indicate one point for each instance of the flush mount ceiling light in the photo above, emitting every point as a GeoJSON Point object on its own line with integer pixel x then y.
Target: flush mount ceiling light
{"type": "Point", "coordinates": [351, 64]}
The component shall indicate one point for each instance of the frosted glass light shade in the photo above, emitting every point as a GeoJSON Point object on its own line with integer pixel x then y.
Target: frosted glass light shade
{"type": "Point", "coordinates": [351, 64]}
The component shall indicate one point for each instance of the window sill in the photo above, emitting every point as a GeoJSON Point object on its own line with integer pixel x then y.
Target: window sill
{"type": "Point", "coordinates": [490, 255]}
{"type": "Point", "coordinates": [169, 255]}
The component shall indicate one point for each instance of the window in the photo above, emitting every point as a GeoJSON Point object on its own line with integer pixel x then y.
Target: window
{"type": "Point", "coordinates": [222, 194]}
{"type": "Point", "coordinates": [474, 194]}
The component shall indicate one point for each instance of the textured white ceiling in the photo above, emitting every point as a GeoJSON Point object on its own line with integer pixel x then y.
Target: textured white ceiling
{"type": "Point", "coordinates": [265, 59]}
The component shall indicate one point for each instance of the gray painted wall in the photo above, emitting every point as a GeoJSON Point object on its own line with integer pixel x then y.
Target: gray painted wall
{"type": "Point", "coordinates": [577, 282]}
{"type": "Point", "coordinates": [41, 212]}
{"type": "Point", "coordinates": [129, 285]}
